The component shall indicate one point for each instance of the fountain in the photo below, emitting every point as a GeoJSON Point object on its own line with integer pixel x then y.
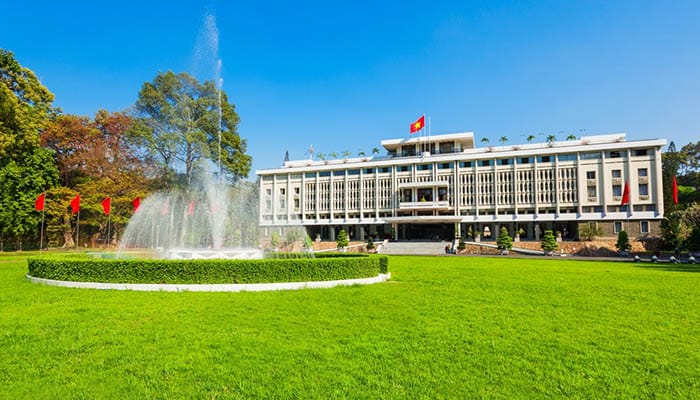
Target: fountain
{"type": "Point", "coordinates": [209, 219]}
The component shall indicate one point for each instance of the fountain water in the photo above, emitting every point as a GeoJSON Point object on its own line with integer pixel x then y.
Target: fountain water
{"type": "Point", "coordinates": [207, 219]}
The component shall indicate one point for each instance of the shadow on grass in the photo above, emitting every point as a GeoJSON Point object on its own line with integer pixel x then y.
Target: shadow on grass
{"type": "Point", "coordinates": [667, 266]}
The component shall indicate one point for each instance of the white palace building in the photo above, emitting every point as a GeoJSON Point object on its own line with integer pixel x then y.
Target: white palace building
{"type": "Point", "coordinates": [442, 186]}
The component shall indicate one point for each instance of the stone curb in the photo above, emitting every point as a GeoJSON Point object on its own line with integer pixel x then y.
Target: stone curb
{"type": "Point", "coordinates": [226, 287]}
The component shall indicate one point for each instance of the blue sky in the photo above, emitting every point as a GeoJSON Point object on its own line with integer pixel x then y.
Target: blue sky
{"type": "Point", "coordinates": [345, 76]}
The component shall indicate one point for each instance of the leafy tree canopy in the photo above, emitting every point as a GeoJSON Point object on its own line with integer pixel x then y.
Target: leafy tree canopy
{"type": "Point", "coordinates": [183, 121]}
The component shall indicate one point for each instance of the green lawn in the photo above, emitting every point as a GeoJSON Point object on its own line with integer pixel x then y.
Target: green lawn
{"type": "Point", "coordinates": [444, 327]}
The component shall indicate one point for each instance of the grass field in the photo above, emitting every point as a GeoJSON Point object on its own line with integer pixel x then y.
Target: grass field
{"type": "Point", "coordinates": [444, 327]}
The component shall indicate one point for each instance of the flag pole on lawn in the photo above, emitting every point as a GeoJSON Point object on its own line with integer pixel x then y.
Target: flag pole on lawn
{"type": "Point", "coordinates": [39, 205]}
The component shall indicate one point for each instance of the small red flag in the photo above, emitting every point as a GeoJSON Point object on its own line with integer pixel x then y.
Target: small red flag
{"type": "Point", "coordinates": [418, 125]}
{"type": "Point", "coordinates": [190, 209]}
{"type": "Point", "coordinates": [39, 203]}
{"type": "Point", "coordinates": [75, 204]}
{"type": "Point", "coordinates": [626, 194]}
{"type": "Point", "coordinates": [136, 202]}
{"type": "Point", "coordinates": [675, 191]}
{"type": "Point", "coordinates": [107, 205]}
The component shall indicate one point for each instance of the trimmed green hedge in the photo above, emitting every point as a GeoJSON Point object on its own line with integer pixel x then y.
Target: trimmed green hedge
{"type": "Point", "coordinates": [206, 271]}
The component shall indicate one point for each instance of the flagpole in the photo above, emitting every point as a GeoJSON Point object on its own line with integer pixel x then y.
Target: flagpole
{"type": "Point", "coordinates": [429, 135]}
{"type": "Point", "coordinates": [77, 230]}
{"type": "Point", "coordinates": [108, 221]}
{"type": "Point", "coordinates": [41, 235]}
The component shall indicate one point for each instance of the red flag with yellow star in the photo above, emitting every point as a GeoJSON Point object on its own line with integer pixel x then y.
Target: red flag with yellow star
{"type": "Point", "coordinates": [418, 125]}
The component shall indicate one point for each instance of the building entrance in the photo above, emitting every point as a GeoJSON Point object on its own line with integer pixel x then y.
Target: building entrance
{"type": "Point", "coordinates": [426, 231]}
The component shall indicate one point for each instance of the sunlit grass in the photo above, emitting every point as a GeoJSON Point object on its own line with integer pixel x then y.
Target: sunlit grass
{"type": "Point", "coordinates": [444, 327]}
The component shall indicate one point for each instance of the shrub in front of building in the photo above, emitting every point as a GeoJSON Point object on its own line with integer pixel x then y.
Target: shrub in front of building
{"type": "Point", "coordinates": [504, 241]}
{"type": "Point", "coordinates": [623, 242]}
{"type": "Point", "coordinates": [549, 242]}
{"type": "Point", "coordinates": [342, 239]}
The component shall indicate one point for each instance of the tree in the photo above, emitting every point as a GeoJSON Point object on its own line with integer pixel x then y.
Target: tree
{"type": "Point", "coordinates": [184, 119]}
{"type": "Point", "coordinates": [26, 169]}
{"type": "Point", "coordinates": [342, 240]}
{"type": "Point", "coordinates": [321, 156]}
{"type": "Point", "coordinates": [623, 242]}
{"type": "Point", "coordinates": [308, 243]}
{"type": "Point", "coordinates": [361, 153]}
{"type": "Point", "coordinates": [346, 154]}
{"type": "Point", "coordinates": [674, 231]}
{"type": "Point", "coordinates": [571, 137]}
{"type": "Point", "coordinates": [485, 140]}
{"type": "Point", "coordinates": [551, 139]}
{"type": "Point", "coordinates": [461, 245]}
{"type": "Point", "coordinates": [275, 240]}
{"type": "Point", "coordinates": [97, 159]}
{"type": "Point", "coordinates": [693, 241]}
{"type": "Point", "coordinates": [503, 140]}
{"type": "Point", "coordinates": [670, 163]}
{"type": "Point", "coordinates": [375, 151]}
{"type": "Point", "coordinates": [370, 244]}
{"type": "Point", "coordinates": [504, 241]}
{"type": "Point", "coordinates": [589, 231]}
{"type": "Point", "coordinates": [530, 138]}
{"type": "Point", "coordinates": [549, 242]}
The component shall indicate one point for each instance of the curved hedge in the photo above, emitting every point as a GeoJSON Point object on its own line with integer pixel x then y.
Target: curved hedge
{"type": "Point", "coordinates": [206, 271]}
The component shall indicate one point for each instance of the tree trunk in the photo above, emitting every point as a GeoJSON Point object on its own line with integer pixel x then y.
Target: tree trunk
{"type": "Point", "coordinates": [67, 232]}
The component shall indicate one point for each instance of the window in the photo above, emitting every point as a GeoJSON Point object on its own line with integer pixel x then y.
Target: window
{"type": "Point", "coordinates": [339, 173]}
{"type": "Point", "coordinates": [617, 227]}
{"type": "Point", "coordinates": [644, 226]}
{"type": "Point", "coordinates": [642, 172]}
{"type": "Point", "coordinates": [617, 173]}
{"type": "Point", "coordinates": [592, 192]}
{"type": "Point", "coordinates": [268, 204]}
{"type": "Point", "coordinates": [567, 157]}
{"type": "Point", "coordinates": [525, 160]}
{"type": "Point", "coordinates": [324, 174]}
{"type": "Point", "coordinates": [296, 190]}
{"type": "Point", "coordinates": [268, 192]}
{"type": "Point", "coordinates": [544, 159]}
{"type": "Point", "coordinates": [614, 154]}
{"type": "Point", "coordinates": [505, 161]}
{"type": "Point", "coordinates": [369, 170]}
{"type": "Point", "coordinates": [424, 167]}
{"type": "Point", "coordinates": [283, 191]}
{"type": "Point", "coordinates": [283, 203]}
{"type": "Point", "coordinates": [590, 174]}
{"type": "Point", "coordinates": [383, 170]}
{"type": "Point", "coordinates": [590, 156]}
{"type": "Point", "coordinates": [444, 165]}
{"type": "Point", "coordinates": [403, 168]}
{"type": "Point", "coordinates": [617, 190]}
{"type": "Point", "coordinates": [641, 152]}
{"type": "Point", "coordinates": [296, 204]}
{"type": "Point", "coordinates": [644, 189]}
{"type": "Point", "coordinates": [310, 174]}
{"type": "Point", "coordinates": [354, 172]}
{"type": "Point", "coordinates": [484, 163]}
{"type": "Point", "coordinates": [465, 164]}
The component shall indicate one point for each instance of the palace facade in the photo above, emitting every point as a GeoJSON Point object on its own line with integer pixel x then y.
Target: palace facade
{"type": "Point", "coordinates": [443, 186]}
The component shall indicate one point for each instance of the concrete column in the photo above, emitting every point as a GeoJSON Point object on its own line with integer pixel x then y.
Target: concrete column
{"type": "Point", "coordinates": [331, 233]}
